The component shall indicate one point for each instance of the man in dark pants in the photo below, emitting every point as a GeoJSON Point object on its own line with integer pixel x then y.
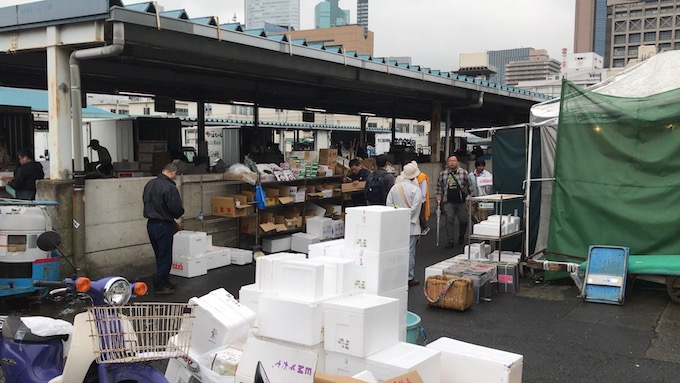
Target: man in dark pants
{"type": "Point", "coordinates": [162, 205]}
{"type": "Point", "coordinates": [453, 187]}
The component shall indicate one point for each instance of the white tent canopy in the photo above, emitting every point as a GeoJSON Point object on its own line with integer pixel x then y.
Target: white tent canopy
{"type": "Point", "coordinates": [656, 75]}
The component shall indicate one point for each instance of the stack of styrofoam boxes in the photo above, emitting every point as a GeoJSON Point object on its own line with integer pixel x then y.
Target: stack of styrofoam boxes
{"type": "Point", "coordinates": [241, 256]}
{"type": "Point", "coordinates": [327, 249]}
{"type": "Point", "coordinates": [477, 250]}
{"type": "Point", "coordinates": [438, 268]}
{"type": "Point", "coordinates": [404, 357]}
{"type": "Point", "coordinates": [220, 320]}
{"type": "Point", "coordinates": [356, 327]}
{"type": "Point", "coordinates": [496, 225]}
{"type": "Point", "coordinates": [464, 362]}
{"type": "Point", "coordinates": [188, 254]}
{"type": "Point", "coordinates": [300, 242]}
{"type": "Point", "coordinates": [338, 228]}
{"type": "Point", "coordinates": [377, 240]}
{"type": "Point", "coordinates": [320, 227]}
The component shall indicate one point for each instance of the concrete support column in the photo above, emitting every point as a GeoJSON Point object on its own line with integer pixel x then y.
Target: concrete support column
{"type": "Point", "coordinates": [58, 90]}
{"type": "Point", "coordinates": [435, 122]}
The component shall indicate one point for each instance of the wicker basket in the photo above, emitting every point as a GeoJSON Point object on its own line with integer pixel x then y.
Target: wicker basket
{"type": "Point", "coordinates": [449, 292]}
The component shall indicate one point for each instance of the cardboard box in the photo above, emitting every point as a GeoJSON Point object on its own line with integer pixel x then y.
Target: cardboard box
{"type": "Point", "coordinates": [349, 186]}
{"type": "Point", "coordinates": [250, 196]}
{"type": "Point", "coordinates": [328, 156]}
{"type": "Point", "coordinates": [231, 206]}
{"type": "Point", "coordinates": [271, 196]}
{"type": "Point", "coordinates": [287, 191]}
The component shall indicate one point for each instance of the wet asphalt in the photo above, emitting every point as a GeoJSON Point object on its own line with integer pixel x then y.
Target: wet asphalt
{"type": "Point", "coordinates": [561, 337]}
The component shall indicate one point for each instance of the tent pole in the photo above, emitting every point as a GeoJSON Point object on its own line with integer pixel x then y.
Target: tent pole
{"type": "Point", "coordinates": [527, 191]}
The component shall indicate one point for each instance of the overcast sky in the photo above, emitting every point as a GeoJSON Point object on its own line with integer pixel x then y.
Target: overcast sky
{"type": "Point", "coordinates": [432, 32]}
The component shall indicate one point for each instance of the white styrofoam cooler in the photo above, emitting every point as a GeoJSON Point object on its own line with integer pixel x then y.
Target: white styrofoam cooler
{"type": "Point", "coordinates": [317, 349]}
{"type": "Point", "coordinates": [216, 324]}
{"type": "Point", "coordinates": [361, 325]}
{"type": "Point", "coordinates": [265, 268]}
{"type": "Point", "coordinates": [377, 228]}
{"type": "Point", "coordinates": [189, 244]}
{"type": "Point", "coordinates": [338, 276]}
{"type": "Point", "coordinates": [401, 294]}
{"type": "Point", "coordinates": [300, 242]}
{"type": "Point", "coordinates": [217, 257]}
{"type": "Point", "coordinates": [290, 320]}
{"type": "Point", "coordinates": [277, 244]}
{"type": "Point", "coordinates": [378, 272]}
{"type": "Point", "coordinates": [477, 250]}
{"type": "Point", "coordinates": [404, 357]}
{"type": "Point", "coordinates": [300, 279]}
{"type": "Point", "coordinates": [189, 267]}
{"type": "Point", "coordinates": [320, 227]}
{"type": "Point", "coordinates": [327, 248]}
{"type": "Point", "coordinates": [249, 296]}
{"type": "Point", "coordinates": [465, 362]}
{"type": "Point", "coordinates": [344, 364]}
{"type": "Point", "coordinates": [241, 256]}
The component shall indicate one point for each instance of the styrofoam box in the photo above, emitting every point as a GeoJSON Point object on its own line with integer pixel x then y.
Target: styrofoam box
{"type": "Point", "coordinates": [290, 320]}
{"type": "Point", "coordinates": [344, 364]}
{"type": "Point", "coordinates": [465, 362]}
{"type": "Point", "coordinates": [277, 244]}
{"type": "Point", "coordinates": [361, 325]}
{"type": "Point", "coordinates": [299, 279]}
{"type": "Point", "coordinates": [266, 265]}
{"type": "Point", "coordinates": [189, 244]}
{"type": "Point", "coordinates": [317, 349]}
{"type": "Point", "coordinates": [249, 296]}
{"type": "Point", "coordinates": [487, 228]}
{"type": "Point", "coordinates": [477, 250]}
{"type": "Point", "coordinates": [177, 373]}
{"type": "Point", "coordinates": [513, 223]}
{"type": "Point", "coordinates": [377, 228]}
{"type": "Point", "coordinates": [320, 227]}
{"type": "Point", "coordinates": [377, 272]}
{"type": "Point", "coordinates": [217, 257]}
{"type": "Point", "coordinates": [402, 333]}
{"type": "Point", "coordinates": [327, 248]}
{"type": "Point", "coordinates": [189, 268]}
{"type": "Point", "coordinates": [338, 228]}
{"type": "Point", "coordinates": [401, 294]}
{"type": "Point", "coordinates": [506, 256]}
{"type": "Point", "coordinates": [244, 311]}
{"type": "Point", "coordinates": [300, 242]}
{"type": "Point", "coordinates": [338, 276]}
{"type": "Point", "coordinates": [241, 256]}
{"type": "Point", "coordinates": [404, 357]}
{"type": "Point", "coordinates": [215, 326]}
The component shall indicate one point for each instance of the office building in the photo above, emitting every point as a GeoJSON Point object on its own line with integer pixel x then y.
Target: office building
{"type": "Point", "coordinates": [328, 14]}
{"type": "Point", "coordinates": [350, 37]}
{"type": "Point", "coordinates": [590, 27]}
{"type": "Point", "coordinates": [362, 13]}
{"type": "Point", "coordinates": [539, 66]}
{"type": "Point", "coordinates": [285, 13]}
{"type": "Point", "coordinates": [499, 59]}
{"type": "Point", "coordinates": [583, 69]}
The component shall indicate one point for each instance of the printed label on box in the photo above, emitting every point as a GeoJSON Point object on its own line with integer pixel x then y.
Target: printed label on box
{"type": "Point", "coordinates": [504, 278]}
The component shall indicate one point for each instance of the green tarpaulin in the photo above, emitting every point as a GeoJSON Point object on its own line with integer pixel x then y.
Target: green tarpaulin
{"type": "Point", "coordinates": [617, 173]}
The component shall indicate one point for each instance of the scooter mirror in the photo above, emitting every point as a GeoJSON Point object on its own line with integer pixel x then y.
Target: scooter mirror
{"type": "Point", "coordinates": [48, 240]}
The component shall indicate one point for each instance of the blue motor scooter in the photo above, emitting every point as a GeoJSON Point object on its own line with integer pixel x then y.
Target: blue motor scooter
{"type": "Point", "coordinates": [108, 343]}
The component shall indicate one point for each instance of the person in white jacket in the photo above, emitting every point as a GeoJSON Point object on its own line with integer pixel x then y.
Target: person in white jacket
{"type": "Point", "coordinates": [406, 194]}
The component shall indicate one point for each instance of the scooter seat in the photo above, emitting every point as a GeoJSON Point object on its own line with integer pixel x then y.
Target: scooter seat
{"type": "Point", "coordinates": [14, 328]}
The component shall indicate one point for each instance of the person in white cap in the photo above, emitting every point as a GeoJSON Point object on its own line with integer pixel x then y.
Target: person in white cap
{"type": "Point", "coordinates": [406, 194]}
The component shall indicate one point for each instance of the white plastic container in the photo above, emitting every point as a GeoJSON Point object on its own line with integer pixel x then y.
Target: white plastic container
{"type": "Point", "coordinates": [320, 227]}
{"type": "Point", "coordinates": [361, 325]}
{"type": "Point", "coordinates": [465, 362]}
{"type": "Point", "coordinates": [344, 364]}
{"type": "Point", "coordinates": [299, 279]}
{"type": "Point", "coordinates": [217, 257]}
{"type": "Point", "coordinates": [377, 228]}
{"type": "Point", "coordinates": [241, 256]}
{"type": "Point", "coordinates": [277, 244]}
{"type": "Point", "coordinates": [290, 320]}
{"type": "Point", "coordinates": [189, 244]}
{"type": "Point", "coordinates": [264, 268]}
{"type": "Point", "coordinates": [189, 268]}
{"type": "Point", "coordinates": [378, 272]}
{"type": "Point", "coordinates": [404, 357]}
{"type": "Point", "coordinates": [327, 248]}
{"type": "Point", "coordinates": [300, 242]}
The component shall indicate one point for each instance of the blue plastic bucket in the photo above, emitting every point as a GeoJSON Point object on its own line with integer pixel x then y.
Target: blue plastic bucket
{"type": "Point", "coordinates": [412, 325]}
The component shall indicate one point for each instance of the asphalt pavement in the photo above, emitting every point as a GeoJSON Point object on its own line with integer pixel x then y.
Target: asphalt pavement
{"type": "Point", "coordinates": [562, 338]}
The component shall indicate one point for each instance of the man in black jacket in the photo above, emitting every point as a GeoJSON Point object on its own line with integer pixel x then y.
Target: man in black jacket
{"type": "Point", "coordinates": [25, 176]}
{"type": "Point", "coordinates": [162, 205]}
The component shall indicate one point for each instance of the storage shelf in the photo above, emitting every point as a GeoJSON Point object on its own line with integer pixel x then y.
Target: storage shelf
{"type": "Point", "coordinates": [495, 237]}
{"type": "Point", "coordinates": [275, 233]}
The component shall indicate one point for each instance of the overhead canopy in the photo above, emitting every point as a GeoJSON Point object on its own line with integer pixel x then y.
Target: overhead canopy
{"type": "Point", "coordinates": [170, 56]}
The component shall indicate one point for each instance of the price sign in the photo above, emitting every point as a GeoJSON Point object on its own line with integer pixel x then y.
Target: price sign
{"type": "Point", "coordinates": [485, 181]}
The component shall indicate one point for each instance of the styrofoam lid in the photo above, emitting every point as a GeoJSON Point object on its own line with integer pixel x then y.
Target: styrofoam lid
{"type": "Point", "coordinates": [475, 352]}
{"type": "Point", "coordinates": [405, 355]}
{"type": "Point", "coordinates": [361, 303]}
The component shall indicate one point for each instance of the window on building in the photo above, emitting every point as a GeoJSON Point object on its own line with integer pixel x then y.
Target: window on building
{"type": "Point", "coordinates": [420, 129]}
{"type": "Point", "coordinates": [123, 111]}
{"type": "Point", "coordinates": [665, 47]}
{"type": "Point", "coordinates": [182, 112]}
{"type": "Point", "coordinates": [208, 110]}
{"type": "Point", "coordinates": [113, 110]}
{"type": "Point", "coordinates": [677, 21]}
{"type": "Point", "coordinates": [633, 51]}
{"type": "Point", "coordinates": [665, 35]}
{"type": "Point", "coordinates": [677, 46]}
{"type": "Point", "coordinates": [634, 38]}
{"type": "Point", "coordinates": [620, 15]}
{"type": "Point", "coordinates": [147, 111]}
{"type": "Point", "coordinates": [618, 63]}
{"type": "Point", "coordinates": [677, 34]}
{"type": "Point", "coordinates": [651, 11]}
{"type": "Point", "coordinates": [372, 125]}
{"type": "Point", "coordinates": [247, 110]}
{"type": "Point", "coordinates": [651, 23]}
{"type": "Point", "coordinates": [402, 127]}
{"type": "Point", "coordinates": [666, 22]}
{"type": "Point", "coordinates": [666, 10]}
{"type": "Point", "coordinates": [635, 12]}
{"type": "Point", "coordinates": [620, 26]}
{"type": "Point", "coordinates": [619, 39]}
{"type": "Point", "coordinates": [619, 51]}
{"type": "Point", "coordinates": [650, 36]}
{"type": "Point", "coordinates": [635, 25]}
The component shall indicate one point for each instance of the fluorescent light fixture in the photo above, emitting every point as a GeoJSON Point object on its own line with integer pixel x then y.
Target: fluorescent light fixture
{"type": "Point", "coordinates": [243, 103]}
{"type": "Point", "coordinates": [136, 94]}
{"type": "Point", "coordinates": [315, 110]}
{"type": "Point", "coordinates": [367, 114]}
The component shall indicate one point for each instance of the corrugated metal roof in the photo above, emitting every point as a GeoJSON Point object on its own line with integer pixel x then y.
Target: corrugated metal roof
{"type": "Point", "coordinates": [176, 14]}
{"type": "Point", "coordinates": [37, 100]}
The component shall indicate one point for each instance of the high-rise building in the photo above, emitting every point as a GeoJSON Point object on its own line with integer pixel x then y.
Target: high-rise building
{"type": "Point", "coordinates": [499, 59]}
{"type": "Point", "coordinates": [362, 13]}
{"type": "Point", "coordinates": [628, 25]}
{"type": "Point", "coordinates": [285, 13]}
{"type": "Point", "coordinates": [538, 66]}
{"type": "Point", "coordinates": [328, 14]}
{"type": "Point", "coordinates": [590, 27]}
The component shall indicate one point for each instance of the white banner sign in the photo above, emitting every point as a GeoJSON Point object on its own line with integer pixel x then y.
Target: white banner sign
{"type": "Point", "coordinates": [485, 181]}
